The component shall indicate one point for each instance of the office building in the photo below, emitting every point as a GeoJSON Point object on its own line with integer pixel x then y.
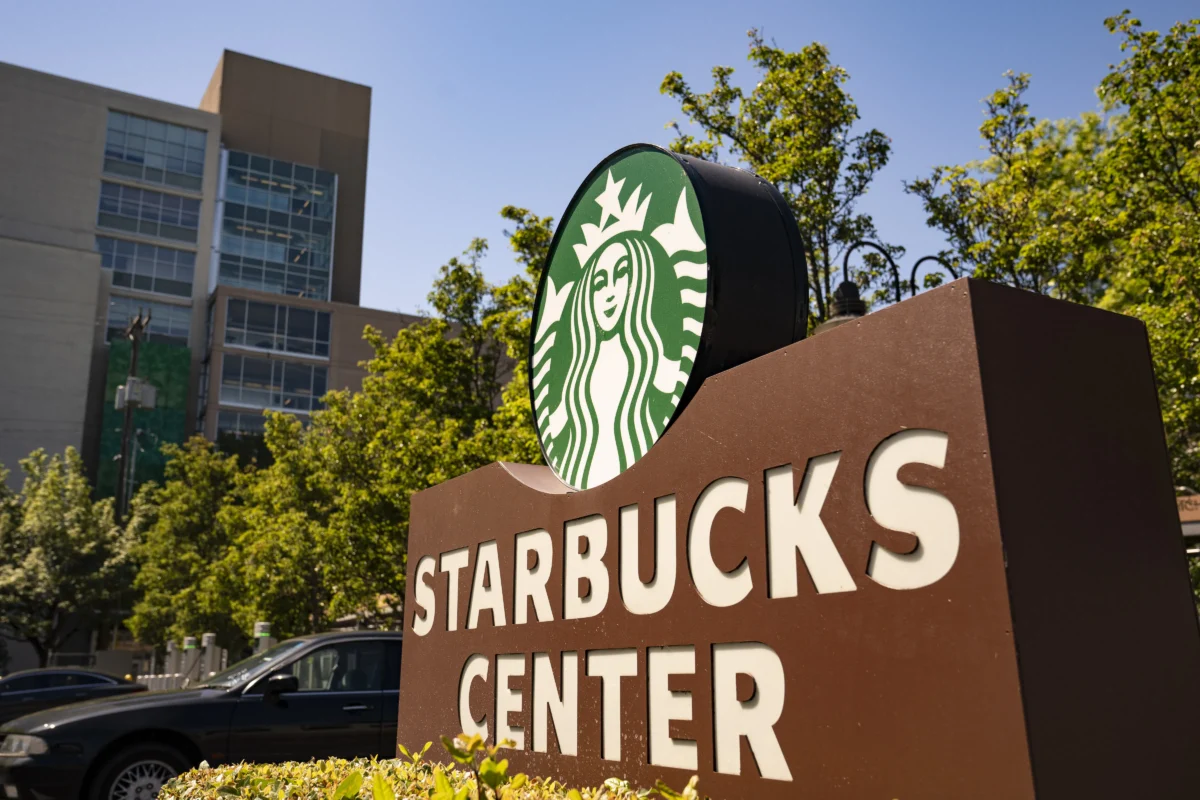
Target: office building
{"type": "Point", "coordinates": [237, 225]}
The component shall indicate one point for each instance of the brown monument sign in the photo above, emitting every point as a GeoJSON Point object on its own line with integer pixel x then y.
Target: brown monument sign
{"type": "Point", "coordinates": [865, 565]}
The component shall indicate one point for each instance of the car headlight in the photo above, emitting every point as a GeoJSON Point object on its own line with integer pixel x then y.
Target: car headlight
{"type": "Point", "coordinates": [16, 744]}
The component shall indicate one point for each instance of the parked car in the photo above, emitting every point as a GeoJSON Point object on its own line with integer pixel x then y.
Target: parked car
{"type": "Point", "coordinates": [25, 692]}
{"type": "Point", "coordinates": [310, 697]}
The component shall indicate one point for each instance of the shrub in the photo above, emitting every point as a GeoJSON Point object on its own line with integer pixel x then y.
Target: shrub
{"type": "Point", "coordinates": [410, 777]}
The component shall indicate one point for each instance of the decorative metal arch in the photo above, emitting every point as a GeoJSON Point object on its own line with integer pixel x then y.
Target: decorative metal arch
{"type": "Point", "coordinates": [912, 279]}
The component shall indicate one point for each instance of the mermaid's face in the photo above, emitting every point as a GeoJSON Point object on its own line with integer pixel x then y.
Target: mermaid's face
{"type": "Point", "coordinates": [610, 285]}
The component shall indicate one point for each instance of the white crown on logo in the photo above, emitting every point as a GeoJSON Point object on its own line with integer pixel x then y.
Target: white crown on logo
{"type": "Point", "coordinates": [630, 217]}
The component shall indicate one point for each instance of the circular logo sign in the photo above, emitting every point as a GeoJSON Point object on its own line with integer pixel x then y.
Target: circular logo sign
{"type": "Point", "coordinates": [619, 316]}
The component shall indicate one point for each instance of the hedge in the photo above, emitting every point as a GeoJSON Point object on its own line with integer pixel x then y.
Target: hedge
{"type": "Point", "coordinates": [410, 777]}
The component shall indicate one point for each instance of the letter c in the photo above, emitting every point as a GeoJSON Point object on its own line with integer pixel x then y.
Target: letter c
{"type": "Point", "coordinates": [476, 667]}
{"type": "Point", "coordinates": [716, 587]}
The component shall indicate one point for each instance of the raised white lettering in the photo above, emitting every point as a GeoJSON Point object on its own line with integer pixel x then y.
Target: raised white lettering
{"type": "Point", "coordinates": [928, 515]}
{"type": "Point", "coordinates": [794, 523]}
{"type": "Point", "coordinates": [508, 700]}
{"type": "Point", "coordinates": [577, 566]}
{"type": "Point", "coordinates": [716, 587]}
{"type": "Point", "coordinates": [491, 597]}
{"type": "Point", "coordinates": [453, 562]}
{"type": "Point", "coordinates": [755, 718]}
{"type": "Point", "coordinates": [666, 705]}
{"type": "Point", "coordinates": [547, 702]}
{"type": "Point", "coordinates": [423, 594]}
{"type": "Point", "coordinates": [476, 667]}
{"type": "Point", "coordinates": [530, 584]}
{"type": "Point", "coordinates": [652, 597]}
{"type": "Point", "coordinates": [610, 666]}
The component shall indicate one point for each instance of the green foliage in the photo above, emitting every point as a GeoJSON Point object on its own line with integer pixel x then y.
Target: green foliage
{"type": "Point", "coordinates": [317, 530]}
{"type": "Point", "coordinates": [1153, 167]}
{"type": "Point", "coordinates": [63, 558]}
{"type": "Point", "coordinates": [797, 129]}
{"type": "Point", "coordinates": [476, 755]}
{"type": "Point", "coordinates": [180, 536]}
{"type": "Point", "coordinates": [362, 779]}
{"type": "Point", "coordinates": [1100, 211]}
{"type": "Point", "coordinates": [1022, 216]}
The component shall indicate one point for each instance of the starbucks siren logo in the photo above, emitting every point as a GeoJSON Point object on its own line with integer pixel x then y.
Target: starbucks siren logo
{"type": "Point", "coordinates": [619, 317]}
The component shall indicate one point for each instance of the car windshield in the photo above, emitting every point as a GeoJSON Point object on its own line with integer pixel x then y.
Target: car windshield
{"type": "Point", "coordinates": [250, 668]}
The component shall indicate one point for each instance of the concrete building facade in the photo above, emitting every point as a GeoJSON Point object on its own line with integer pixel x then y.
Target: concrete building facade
{"type": "Point", "coordinates": [237, 225]}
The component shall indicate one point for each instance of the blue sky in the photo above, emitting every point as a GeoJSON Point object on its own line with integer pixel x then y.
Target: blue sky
{"type": "Point", "coordinates": [478, 105]}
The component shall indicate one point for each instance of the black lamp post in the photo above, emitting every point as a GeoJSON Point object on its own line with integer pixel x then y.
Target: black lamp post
{"type": "Point", "coordinates": [847, 304]}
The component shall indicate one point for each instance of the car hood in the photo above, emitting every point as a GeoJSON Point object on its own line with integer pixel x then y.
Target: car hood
{"type": "Point", "coordinates": [53, 718]}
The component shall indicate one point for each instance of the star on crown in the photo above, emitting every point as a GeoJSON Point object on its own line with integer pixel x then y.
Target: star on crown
{"type": "Point", "coordinates": [630, 217]}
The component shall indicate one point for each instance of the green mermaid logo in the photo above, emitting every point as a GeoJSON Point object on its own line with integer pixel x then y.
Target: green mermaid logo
{"type": "Point", "coordinates": [619, 317]}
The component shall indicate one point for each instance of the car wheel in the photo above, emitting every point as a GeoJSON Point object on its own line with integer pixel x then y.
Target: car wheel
{"type": "Point", "coordinates": [138, 772]}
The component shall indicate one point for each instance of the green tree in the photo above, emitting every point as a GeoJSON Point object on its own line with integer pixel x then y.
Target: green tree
{"type": "Point", "coordinates": [321, 533]}
{"type": "Point", "coordinates": [281, 563]}
{"type": "Point", "coordinates": [63, 558]}
{"type": "Point", "coordinates": [798, 129]}
{"type": "Point", "coordinates": [181, 536]}
{"type": "Point", "coordinates": [1022, 215]}
{"type": "Point", "coordinates": [1153, 167]}
{"type": "Point", "coordinates": [1100, 211]}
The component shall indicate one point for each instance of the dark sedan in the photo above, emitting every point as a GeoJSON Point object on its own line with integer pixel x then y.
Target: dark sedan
{"type": "Point", "coordinates": [36, 689]}
{"type": "Point", "coordinates": [310, 697]}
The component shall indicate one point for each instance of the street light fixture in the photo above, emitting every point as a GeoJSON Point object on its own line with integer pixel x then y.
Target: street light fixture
{"type": "Point", "coordinates": [848, 305]}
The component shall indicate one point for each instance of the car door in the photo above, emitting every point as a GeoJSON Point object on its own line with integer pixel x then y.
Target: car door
{"type": "Point", "coordinates": [59, 689]}
{"type": "Point", "coordinates": [391, 701]}
{"type": "Point", "coordinates": [337, 711]}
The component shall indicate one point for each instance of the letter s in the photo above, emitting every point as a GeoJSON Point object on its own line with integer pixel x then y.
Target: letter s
{"type": "Point", "coordinates": [922, 512]}
{"type": "Point", "coordinates": [426, 599]}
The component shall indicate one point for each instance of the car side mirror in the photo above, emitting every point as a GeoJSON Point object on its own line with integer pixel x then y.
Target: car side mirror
{"type": "Point", "coordinates": [281, 683]}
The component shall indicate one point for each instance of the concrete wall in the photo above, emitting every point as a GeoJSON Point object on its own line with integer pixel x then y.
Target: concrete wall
{"type": "Point", "coordinates": [51, 158]}
{"type": "Point", "coordinates": [47, 304]}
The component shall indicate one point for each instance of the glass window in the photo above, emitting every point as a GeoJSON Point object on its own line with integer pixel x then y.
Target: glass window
{"type": "Point", "coordinates": [137, 265]}
{"type": "Point", "coordinates": [271, 383]}
{"type": "Point", "coordinates": [168, 323]}
{"type": "Point", "coordinates": [25, 683]}
{"type": "Point", "coordinates": [249, 323]}
{"type": "Point", "coordinates": [241, 423]}
{"type": "Point", "coordinates": [153, 151]}
{"type": "Point", "coordinates": [277, 231]}
{"type": "Point", "coordinates": [391, 677]}
{"type": "Point", "coordinates": [149, 213]}
{"type": "Point", "coordinates": [58, 680]}
{"type": "Point", "coordinates": [343, 667]}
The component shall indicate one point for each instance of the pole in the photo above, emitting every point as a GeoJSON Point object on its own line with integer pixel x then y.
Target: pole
{"type": "Point", "coordinates": [137, 326]}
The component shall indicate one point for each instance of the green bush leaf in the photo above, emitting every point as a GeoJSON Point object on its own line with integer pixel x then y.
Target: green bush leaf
{"type": "Point", "coordinates": [349, 787]}
{"type": "Point", "coordinates": [492, 773]}
{"type": "Point", "coordinates": [461, 756]}
{"type": "Point", "coordinates": [380, 788]}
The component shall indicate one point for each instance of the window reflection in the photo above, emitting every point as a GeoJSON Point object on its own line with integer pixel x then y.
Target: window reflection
{"type": "Point", "coordinates": [277, 226]}
{"type": "Point", "coordinates": [271, 383]}
{"type": "Point", "coordinates": [151, 268]}
{"type": "Point", "coordinates": [153, 151]}
{"type": "Point", "coordinates": [249, 323]}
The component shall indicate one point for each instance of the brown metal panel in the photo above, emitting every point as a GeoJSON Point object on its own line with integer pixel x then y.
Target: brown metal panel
{"type": "Point", "coordinates": [888, 693]}
{"type": "Point", "coordinates": [1105, 625]}
{"type": "Point", "coordinates": [347, 156]}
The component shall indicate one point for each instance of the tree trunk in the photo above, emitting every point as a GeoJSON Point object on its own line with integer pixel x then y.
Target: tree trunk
{"type": "Point", "coordinates": [43, 653]}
